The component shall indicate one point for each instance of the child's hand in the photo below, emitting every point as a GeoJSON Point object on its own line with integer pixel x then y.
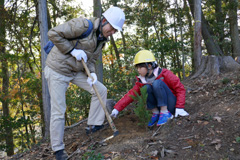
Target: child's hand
{"type": "Point", "coordinates": [180, 112]}
{"type": "Point", "coordinates": [114, 113]}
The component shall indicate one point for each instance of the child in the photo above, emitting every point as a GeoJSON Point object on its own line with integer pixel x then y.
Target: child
{"type": "Point", "coordinates": [166, 94]}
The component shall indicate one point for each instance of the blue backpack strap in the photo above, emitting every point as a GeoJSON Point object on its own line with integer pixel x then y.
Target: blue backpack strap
{"type": "Point", "coordinates": [85, 34]}
{"type": "Point", "coordinates": [89, 30]}
{"type": "Point", "coordinates": [47, 48]}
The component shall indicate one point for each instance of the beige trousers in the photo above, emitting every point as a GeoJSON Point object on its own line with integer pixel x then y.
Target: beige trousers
{"type": "Point", "coordinates": [57, 85]}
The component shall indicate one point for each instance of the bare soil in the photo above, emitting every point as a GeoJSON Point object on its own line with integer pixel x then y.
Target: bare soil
{"type": "Point", "coordinates": [212, 131]}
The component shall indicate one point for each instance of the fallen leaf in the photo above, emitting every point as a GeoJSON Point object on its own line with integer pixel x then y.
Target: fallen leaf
{"type": "Point", "coordinates": [107, 155]}
{"type": "Point", "coordinates": [154, 153]}
{"type": "Point", "coordinates": [170, 151]}
{"type": "Point", "coordinates": [198, 121]}
{"type": "Point", "coordinates": [216, 141]}
{"type": "Point", "coordinates": [162, 152]}
{"type": "Point", "coordinates": [205, 122]}
{"type": "Point", "coordinates": [217, 118]}
{"type": "Point", "coordinates": [191, 142]}
{"type": "Point", "coordinates": [218, 146]}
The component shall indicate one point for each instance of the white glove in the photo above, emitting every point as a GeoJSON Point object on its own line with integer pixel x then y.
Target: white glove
{"type": "Point", "coordinates": [114, 113]}
{"type": "Point", "coordinates": [79, 54]}
{"type": "Point", "coordinates": [91, 81]}
{"type": "Point", "coordinates": [180, 112]}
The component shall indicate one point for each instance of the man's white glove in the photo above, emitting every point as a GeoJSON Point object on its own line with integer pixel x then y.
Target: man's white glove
{"type": "Point", "coordinates": [79, 54]}
{"type": "Point", "coordinates": [114, 113]}
{"type": "Point", "coordinates": [180, 112]}
{"type": "Point", "coordinates": [91, 81]}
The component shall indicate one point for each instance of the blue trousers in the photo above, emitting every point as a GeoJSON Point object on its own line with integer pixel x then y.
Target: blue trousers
{"type": "Point", "coordinates": [159, 95]}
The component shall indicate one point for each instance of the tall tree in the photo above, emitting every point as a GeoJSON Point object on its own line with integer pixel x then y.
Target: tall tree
{"type": "Point", "coordinates": [44, 38]}
{"type": "Point", "coordinates": [190, 28]}
{"type": "Point", "coordinates": [220, 22]}
{"type": "Point", "coordinates": [212, 47]}
{"type": "Point", "coordinates": [97, 12]}
{"type": "Point", "coordinates": [233, 20]}
{"type": "Point", "coordinates": [197, 34]}
{"type": "Point", "coordinates": [5, 83]}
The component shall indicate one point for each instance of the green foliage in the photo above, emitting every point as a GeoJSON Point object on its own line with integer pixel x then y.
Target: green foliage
{"type": "Point", "coordinates": [238, 139]}
{"type": "Point", "coordinates": [152, 30]}
{"type": "Point", "coordinates": [90, 155]}
{"type": "Point", "coordinates": [141, 111]}
{"type": "Point", "coordinates": [118, 79]}
{"type": "Point", "coordinates": [78, 103]}
{"type": "Point", "coordinates": [225, 80]}
{"type": "Point", "coordinates": [229, 87]}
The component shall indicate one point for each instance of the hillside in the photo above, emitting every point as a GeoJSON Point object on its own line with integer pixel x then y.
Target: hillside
{"type": "Point", "coordinates": [212, 131]}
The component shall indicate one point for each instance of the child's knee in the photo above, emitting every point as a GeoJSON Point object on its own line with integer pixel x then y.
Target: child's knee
{"type": "Point", "coordinates": [157, 83]}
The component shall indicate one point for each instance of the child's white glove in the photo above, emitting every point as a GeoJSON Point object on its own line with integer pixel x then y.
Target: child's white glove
{"type": "Point", "coordinates": [180, 112]}
{"type": "Point", "coordinates": [114, 113]}
{"type": "Point", "coordinates": [91, 81]}
{"type": "Point", "coordinates": [79, 54]}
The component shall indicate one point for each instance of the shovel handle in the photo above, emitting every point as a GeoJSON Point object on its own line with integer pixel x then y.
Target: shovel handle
{"type": "Point", "coordinates": [110, 121]}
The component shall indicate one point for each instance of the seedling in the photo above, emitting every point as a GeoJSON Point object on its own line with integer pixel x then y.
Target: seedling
{"type": "Point", "coordinates": [141, 111]}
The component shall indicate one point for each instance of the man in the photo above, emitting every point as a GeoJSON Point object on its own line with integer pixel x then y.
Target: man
{"type": "Point", "coordinates": [63, 65]}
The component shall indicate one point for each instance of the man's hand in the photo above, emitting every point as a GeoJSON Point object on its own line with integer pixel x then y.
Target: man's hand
{"type": "Point", "coordinates": [79, 54]}
{"type": "Point", "coordinates": [91, 81]}
{"type": "Point", "coordinates": [114, 113]}
{"type": "Point", "coordinates": [180, 112]}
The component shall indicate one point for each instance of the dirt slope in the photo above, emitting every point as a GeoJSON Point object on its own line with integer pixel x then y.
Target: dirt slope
{"type": "Point", "coordinates": [212, 131]}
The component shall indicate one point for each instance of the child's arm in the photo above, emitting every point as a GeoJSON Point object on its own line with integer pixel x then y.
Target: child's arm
{"type": "Point", "coordinates": [126, 99]}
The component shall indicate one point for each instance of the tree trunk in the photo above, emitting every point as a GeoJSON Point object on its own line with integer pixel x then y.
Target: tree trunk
{"type": "Point", "coordinates": [181, 36]}
{"type": "Point", "coordinates": [214, 65]}
{"type": "Point", "coordinates": [176, 41]}
{"type": "Point", "coordinates": [97, 12]}
{"type": "Point", "coordinates": [116, 51]}
{"type": "Point", "coordinates": [233, 5]}
{"type": "Point", "coordinates": [189, 18]}
{"type": "Point", "coordinates": [212, 47]}
{"type": "Point", "coordinates": [5, 83]}
{"type": "Point", "coordinates": [125, 50]}
{"type": "Point", "coordinates": [45, 93]}
{"type": "Point", "coordinates": [220, 22]}
{"type": "Point", "coordinates": [197, 34]}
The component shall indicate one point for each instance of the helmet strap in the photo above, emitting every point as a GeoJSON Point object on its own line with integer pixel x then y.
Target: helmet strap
{"type": "Point", "coordinates": [102, 25]}
{"type": "Point", "coordinates": [147, 70]}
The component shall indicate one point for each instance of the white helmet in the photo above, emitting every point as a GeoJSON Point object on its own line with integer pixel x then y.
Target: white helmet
{"type": "Point", "coordinates": [115, 17]}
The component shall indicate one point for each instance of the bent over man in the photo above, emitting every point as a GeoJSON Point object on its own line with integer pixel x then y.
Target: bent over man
{"type": "Point", "coordinates": [63, 65]}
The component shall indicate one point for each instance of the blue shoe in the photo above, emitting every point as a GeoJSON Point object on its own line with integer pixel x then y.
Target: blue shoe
{"type": "Point", "coordinates": [163, 118]}
{"type": "Point", "coordinates": [153, 120]}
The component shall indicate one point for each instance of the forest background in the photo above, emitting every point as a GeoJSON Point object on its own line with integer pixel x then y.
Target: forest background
{"type": "Point", "coordinates": [164, 27]}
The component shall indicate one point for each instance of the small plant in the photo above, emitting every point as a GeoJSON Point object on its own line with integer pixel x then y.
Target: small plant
{"type": "Point", "coordinates": [90, 155]}
{"type": "Point", "coordinates": [238, 139]}
{"type": "Point", "coordinates": [225, 80]}
{"type": "Point", "coordinates": [141, 111]}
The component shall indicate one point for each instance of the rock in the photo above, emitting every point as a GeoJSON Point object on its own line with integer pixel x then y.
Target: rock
{"type": "Point", "coordinates": [110, 104]}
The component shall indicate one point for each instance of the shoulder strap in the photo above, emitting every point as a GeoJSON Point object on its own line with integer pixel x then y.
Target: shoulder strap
{"type": "Point", "coordinates": [89, 30]}
{"type": "Point", "coordinates": [85, 34]}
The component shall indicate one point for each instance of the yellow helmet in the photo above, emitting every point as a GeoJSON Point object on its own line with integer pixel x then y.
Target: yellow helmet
{"type": "Point", "coordinates": [143, 56]}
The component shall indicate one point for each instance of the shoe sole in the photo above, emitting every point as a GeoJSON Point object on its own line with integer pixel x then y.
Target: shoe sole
{"type": "Point", "coordinates": [152, 125]}
{"type": "Point", "coordinates": [165, 122]}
